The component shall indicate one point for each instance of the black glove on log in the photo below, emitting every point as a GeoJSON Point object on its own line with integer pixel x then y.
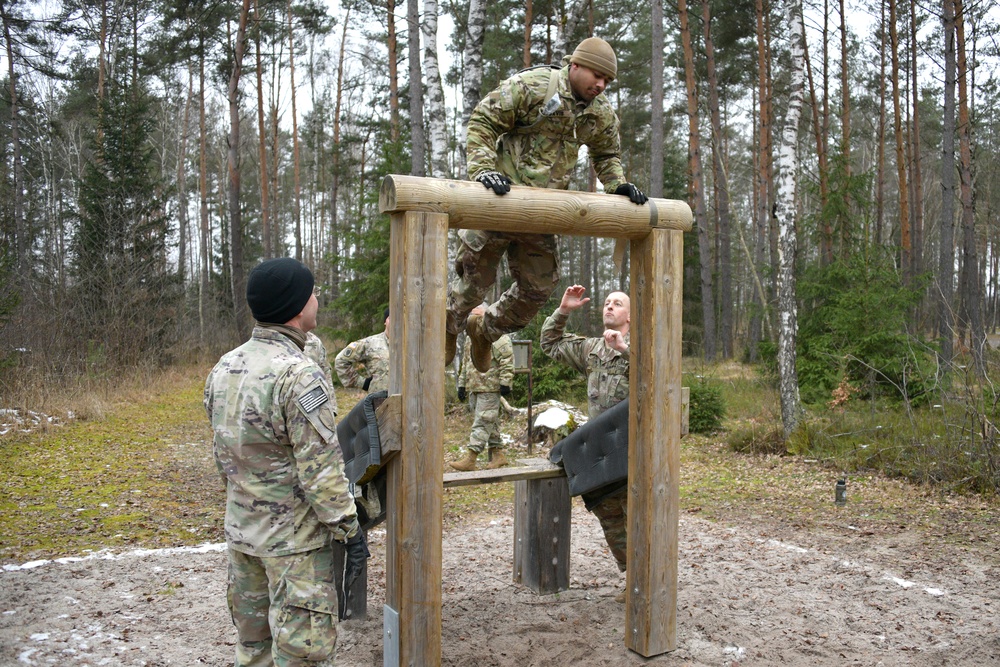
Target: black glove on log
{"type": "Point", "coordinates": [357, 554]}
{"type": "Point", "coordinates": [495, 180]}
{"type": "Point", "coordinates": [633, 193]}
{"type": "Point", "coordinates": [504, 390]}
{"type": "Point", "coordinates": [367, 384]}
{"type": "Point", "coordinates": [461, 394]}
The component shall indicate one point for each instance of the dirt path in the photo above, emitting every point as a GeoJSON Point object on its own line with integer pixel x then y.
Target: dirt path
{"type": "Point", "coordinates": [748, 596]}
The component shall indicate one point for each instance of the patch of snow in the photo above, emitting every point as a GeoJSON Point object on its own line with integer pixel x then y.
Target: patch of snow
{"type": "Point", "coordinates": [39, 636]}
{"type": "Point", "coordinates": [789, 547]}
{"type": "Point", "coordinates": [934, 591]}
{"type": "Point", "coordinates": [106, 554]}
{"type": "Point", "coordinates": [552, 418]}
{"type": "Point", "coordinates": [901, 582]}
{"type": "Point", "coordinates": [736, 651]}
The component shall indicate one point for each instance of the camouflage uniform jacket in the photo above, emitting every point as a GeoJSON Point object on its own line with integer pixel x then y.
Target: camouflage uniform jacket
{"type": "Point", "coordinates": [606, 368]}
{"type": "Point", "coordinates": [316, 351]}
{"type": "Point", "coordinates": [508, 132]}
{"type": "Point", "coordinates": [273, 416]}
{"type": "Point", "coordinates": [370, 354]}
{"type": "Point", "coordinates": [501, 368]}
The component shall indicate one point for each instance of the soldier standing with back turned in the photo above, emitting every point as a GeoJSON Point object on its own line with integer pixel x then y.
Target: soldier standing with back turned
{"type": "Point", "coordinates": [273, 416]}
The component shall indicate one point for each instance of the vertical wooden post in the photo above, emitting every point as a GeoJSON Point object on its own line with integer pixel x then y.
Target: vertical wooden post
{"type": "Point", "coordinates": [654, 443]}
{"type": "Point", "coordinates": [542, 523]}
{"type": "Point", "coordinates": [418, 284]}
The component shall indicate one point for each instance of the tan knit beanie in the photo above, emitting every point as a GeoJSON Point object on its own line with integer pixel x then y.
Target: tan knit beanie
{"type": "Point", "coordinates": [598, 55]}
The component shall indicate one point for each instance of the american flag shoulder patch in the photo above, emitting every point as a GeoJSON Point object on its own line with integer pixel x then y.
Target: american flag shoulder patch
{"type": "Point", "coordinates": [312, 399]}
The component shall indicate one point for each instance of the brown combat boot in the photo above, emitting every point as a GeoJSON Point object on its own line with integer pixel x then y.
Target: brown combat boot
{"type": "Point", "coordinates": [450, 341]}
{"type": "Point", "coordinates": [482, 347]}
{"type": "Point", "coordinates": [620, 598]}
{"type": "Point", "coordinates": [499, 460]}
{"type": "Point", "coordinates": [466, 464]}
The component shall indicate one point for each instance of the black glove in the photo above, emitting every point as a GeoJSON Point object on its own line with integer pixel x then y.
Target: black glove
{"type": "Point", "coordinates": [495, 180]}
{"type": "Point", "coordinates": [632, 192]}
{"type": "Point", "coordinates": [461, 394]}
{"type": "Point", "coordinates": [357, 554]}
{"type": "Point", "coordinates": [367, 383]}
{"type": "Point", "coordinates": [504, 390]}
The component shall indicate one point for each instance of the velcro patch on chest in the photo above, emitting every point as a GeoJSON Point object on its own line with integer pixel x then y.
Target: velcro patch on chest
{"type": "Point", "coordinates": [313, 399]}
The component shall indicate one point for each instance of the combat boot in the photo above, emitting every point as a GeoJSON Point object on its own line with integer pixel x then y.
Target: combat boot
{"type": "Point", "coordinates": [499, 460]}
{"type": "Point", "coordinates": [620, 598]}
{"type": "Point", "coordinates": [482, 346]}
{"type": "Point", "coordinates": [450, 343]}
{"type": "Point", "coordinates": [466, 464]}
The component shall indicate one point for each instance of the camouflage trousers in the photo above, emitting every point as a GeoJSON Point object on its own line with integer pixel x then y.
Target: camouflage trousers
{"type": "Point", "coordinates": [612, 512]}
{"type": "Point", "coordinates": [284, 609]}
{"type": "Point", "coordinates": [485, 406]}
{"type": "Point", "coordinates": [533, 261]}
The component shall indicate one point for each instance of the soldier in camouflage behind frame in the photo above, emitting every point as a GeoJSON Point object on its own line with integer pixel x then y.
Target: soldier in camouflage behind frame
{"type": "Point", "coordinates": [484, 391]}
{"type": "Point", "coordinates": [370, 355]}
{"type": "Point", "coordinates": [604, 360]}
{"type": "Point", "coordinates": [273, 416]}
{"type": "Point", "coordinates": [528, 132]}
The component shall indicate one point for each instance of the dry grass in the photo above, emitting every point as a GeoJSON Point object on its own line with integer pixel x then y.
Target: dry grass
{"type": "Point", "coordinates": [141, 473]}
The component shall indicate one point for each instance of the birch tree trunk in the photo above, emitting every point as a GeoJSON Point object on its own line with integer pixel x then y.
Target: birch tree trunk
{"type": "Point", "coordinates": [436, 115]}
{"type": "Point", "coordinates": [238, 278]}
{"type": "Point", "coordinates": [567, 27]}
{"type": "Point", "coordinates": [205, 235]}
{"type": "Point", "coordinates": [785, 214]}
{"type": "Point", "coordinates": [656, 102]}
{"type": "Point", "coordinates": [946, 249]}
{"type": "Point", "coordinates": [417, 152]}
{"type": "Point", "coordinates": [182, 193]}
{"type": "Point", "coordinates": [697, 189]}
{"type": "Point", "coordinates": [722, 187]}
{"type": "Point", "coordinates": [971, 292]}
{"type": "Point", "coordinates": [472, 73]}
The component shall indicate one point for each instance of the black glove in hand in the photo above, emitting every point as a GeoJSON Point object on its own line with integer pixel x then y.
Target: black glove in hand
{"type": "Point", "coordinates": [504, 390]}
{"type": "Point", "coordinates": [495, 180]}
{"type": "Point", "coordinates": [461, 394]}
{"type": "Point", "coordinates": [357, 554]}
{"type": "Point", "coordinates": [633, 193]}
{"type": "Point", "coordinates": [367, 384]}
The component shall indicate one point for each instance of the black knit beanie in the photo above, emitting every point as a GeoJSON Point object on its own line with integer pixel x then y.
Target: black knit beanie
{"type": "Point", "coordinates": [278, 289]}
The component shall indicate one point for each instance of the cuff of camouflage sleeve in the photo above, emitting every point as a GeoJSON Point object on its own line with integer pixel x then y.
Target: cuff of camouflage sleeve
{"type": "Point", "coordinates": [346, 529]}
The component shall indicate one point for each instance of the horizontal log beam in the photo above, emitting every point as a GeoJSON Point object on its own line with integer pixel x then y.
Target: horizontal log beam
{"type": "Point", "coordinates": [526, 210]}
{"type": "Point", "coordinates": [537, 469]}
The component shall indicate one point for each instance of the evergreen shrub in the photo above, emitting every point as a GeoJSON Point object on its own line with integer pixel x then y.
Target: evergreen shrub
{"type": "Point", "coordinates": [706, 408]}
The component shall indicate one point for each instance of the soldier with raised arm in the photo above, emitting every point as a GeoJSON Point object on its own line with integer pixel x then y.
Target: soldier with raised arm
{"type": "Point", "coordinates": [604, 360]}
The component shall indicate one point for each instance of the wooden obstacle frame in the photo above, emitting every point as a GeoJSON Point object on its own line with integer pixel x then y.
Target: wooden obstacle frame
{"type": "Point", "coordinates": [411, 422]}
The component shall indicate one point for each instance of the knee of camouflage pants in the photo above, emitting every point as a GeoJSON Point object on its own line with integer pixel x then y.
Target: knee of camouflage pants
{"type": "Point", "coordinates": [611, 512]}
{"type": "Point", "coordinates": [248, 599]}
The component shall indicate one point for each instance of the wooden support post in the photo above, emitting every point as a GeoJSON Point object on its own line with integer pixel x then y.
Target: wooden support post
{"type": "Point", "coordinates": [418, 284]}
{"type": "Point", "coordinates": [654, 443]}
{"type": "Point", "coordinates": [542, 522]}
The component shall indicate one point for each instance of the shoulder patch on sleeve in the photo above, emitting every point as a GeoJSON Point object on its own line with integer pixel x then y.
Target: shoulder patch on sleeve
{"type": "Point", "coordinates": [312, 399]}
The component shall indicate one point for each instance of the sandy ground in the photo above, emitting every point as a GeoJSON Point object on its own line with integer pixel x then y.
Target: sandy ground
{"type": "Point", "coordinates": [746, 597]}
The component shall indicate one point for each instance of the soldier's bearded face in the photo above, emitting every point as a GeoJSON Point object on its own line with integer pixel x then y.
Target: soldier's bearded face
{"type": "Point", "coordinates": [586, 83]}
{"type": "Point", "coordinates": [617, 311]}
